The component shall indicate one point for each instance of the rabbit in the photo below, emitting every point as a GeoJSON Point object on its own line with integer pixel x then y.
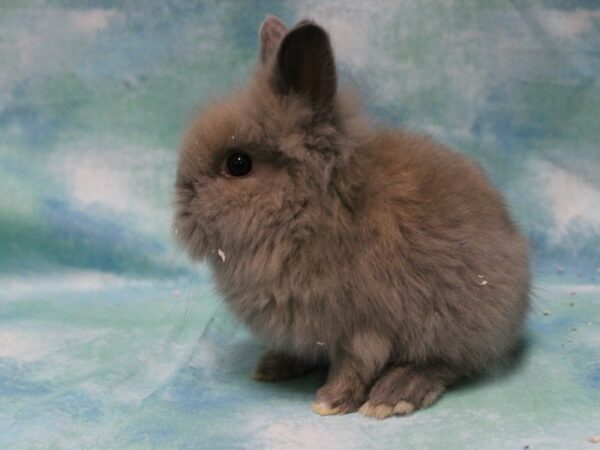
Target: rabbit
{"type": "Point", "coordinates": [377, 253]}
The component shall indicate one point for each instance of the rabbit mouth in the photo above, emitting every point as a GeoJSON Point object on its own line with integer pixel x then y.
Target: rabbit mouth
{"type": "Point", "coordinates": [191, 235]}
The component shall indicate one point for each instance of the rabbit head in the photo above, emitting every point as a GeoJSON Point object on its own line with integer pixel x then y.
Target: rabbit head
{"type": "Point", "coordinates": [255, 168]}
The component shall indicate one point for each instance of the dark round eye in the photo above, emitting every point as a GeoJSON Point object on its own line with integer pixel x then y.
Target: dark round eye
{"type": "Point", "coordinates": [239, 164]}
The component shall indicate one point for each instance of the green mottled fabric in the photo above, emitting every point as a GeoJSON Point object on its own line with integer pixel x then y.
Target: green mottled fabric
{"type": "Point", "coordinates": [110, 338]}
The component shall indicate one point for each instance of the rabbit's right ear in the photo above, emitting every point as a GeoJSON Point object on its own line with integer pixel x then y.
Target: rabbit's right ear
{"type": "Point", "coordinates": [270, 34]}
{"type": "Point", "coordinates": [305, 66]}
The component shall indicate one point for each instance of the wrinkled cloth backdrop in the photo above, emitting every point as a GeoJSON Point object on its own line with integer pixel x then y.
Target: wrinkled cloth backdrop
{"type": "Point", "coordinates": [110, 338]}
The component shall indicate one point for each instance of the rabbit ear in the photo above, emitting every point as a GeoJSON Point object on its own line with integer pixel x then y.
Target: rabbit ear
{"type": "Point", "coordinates": [270, 33]}
{"type": "Point", "coordinates": [305, 65]}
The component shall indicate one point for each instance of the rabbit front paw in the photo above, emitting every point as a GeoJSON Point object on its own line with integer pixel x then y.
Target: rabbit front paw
{"type": "Point", "coordinates": [339, 397]}
{"type": "Point", "coordinates": [403, 390]}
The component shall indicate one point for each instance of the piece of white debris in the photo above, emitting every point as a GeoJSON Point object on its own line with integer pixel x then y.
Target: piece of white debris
{"type": "Point", "coordinates": [176, 231]}
{"type": "Point", "coordinates": [221, 254]}
{"type": "Point", "coordinates": [479, 276]}
{"type": "Point", "coordinates": [483, 283]}
{"type": "Point", "coordinates": [320, 343]}
{"type": "Point", "coordinates": [176, 293]}
{"type": "Point", "coordinates": [594, 439]}
{"type": "Point", "coordinates": [560, 269]}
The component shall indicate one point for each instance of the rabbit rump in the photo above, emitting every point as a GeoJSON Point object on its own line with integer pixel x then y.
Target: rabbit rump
{"type": "Point", "coordinates": [379, 253]}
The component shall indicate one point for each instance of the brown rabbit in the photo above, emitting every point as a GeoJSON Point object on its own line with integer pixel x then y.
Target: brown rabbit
{"type": "Point", "coordinates": [381, 253]}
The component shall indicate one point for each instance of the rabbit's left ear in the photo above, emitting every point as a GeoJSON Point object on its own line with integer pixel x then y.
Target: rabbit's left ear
{"type": "Point", "coordinates": [305, 66]}
{"type": "Point", "coordinates": [270, 34]}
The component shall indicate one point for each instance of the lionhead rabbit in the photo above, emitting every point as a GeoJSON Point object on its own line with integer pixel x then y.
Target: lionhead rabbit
{"type": "Point", "coordinates": [382, 254]}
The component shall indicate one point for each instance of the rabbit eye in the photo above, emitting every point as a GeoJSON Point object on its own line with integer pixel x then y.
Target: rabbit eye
{"type": "Point", "coordinates": [239, 164]}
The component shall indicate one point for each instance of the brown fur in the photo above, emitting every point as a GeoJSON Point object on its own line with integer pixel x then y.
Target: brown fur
{"type": "Point", "coordinates": [382, 253]}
